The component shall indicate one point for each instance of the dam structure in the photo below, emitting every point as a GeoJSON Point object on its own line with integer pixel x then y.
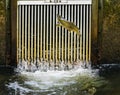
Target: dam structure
{"type": "Point", "coordinates": [53, 31]}
{"type": "Point", "coordinates": [39, 39]}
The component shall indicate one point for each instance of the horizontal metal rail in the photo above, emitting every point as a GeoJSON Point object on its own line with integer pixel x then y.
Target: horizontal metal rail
{"type": "Point", "coordinates": [44, 2]}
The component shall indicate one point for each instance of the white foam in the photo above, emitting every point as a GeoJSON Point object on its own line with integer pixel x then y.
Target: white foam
{"type": "Point", "coordinates": [16, 86]}
{"type": "Point", "coordinates": [45, 81]}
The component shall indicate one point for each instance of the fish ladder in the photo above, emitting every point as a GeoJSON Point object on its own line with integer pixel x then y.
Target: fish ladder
{"type": "Point", "coordinates": [39, 38]}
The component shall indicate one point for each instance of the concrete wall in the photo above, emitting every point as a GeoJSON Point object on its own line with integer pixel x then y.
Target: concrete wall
{"type": "Point", "coordinates": [111, 45]}
{"type": "Point", "coordinates": [111, 32]}
{"type": "Point", "coordinates": [2, 32]}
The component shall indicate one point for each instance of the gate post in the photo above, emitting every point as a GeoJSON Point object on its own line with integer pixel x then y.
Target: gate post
{"type": "Point", "coordinates": [100, 24]}
{"type": "Point", "coordinates": [97, 10]}
{"type": "Point", "coordinates": [13, 4]}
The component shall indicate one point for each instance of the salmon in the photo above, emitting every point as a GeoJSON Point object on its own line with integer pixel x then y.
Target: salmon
{"type": "Point", "coordinates": [70, 26]}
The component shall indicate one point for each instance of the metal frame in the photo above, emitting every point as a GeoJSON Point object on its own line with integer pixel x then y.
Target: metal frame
{"type": "Point", "coordinates": [49, 3]}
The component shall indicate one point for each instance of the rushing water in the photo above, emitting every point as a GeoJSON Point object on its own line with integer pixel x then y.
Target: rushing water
{"type": "Point", "coordinates": [77, 81]}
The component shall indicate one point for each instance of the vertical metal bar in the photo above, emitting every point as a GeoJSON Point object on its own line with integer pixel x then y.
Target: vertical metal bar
{"type": "Point", "coordinates": [56, 33]}
{"type": "Point", "coordinates": [87, 35]}
{"type": "Point", "coordinates": [74, 33]}
{"type": "Point", "coordinates": [90, 34]}
{"type": "Point", "coordinates": [19, 32]}
{"type": "Point", "coordinates": [65, 34]}
{"type": "Point", "coordinates": [35, 33]}
{"type": "Point", "coordinates": [29, 32]}
{"type": "Point", "coordinates": [53, 29]}
{"type": "Point", "coordinates": [62, 34]}
{"type": "Point", "coordinates": [59, 34]}
{"type": "Point", "coordinates": [68, 35]}
{"type": "Point", "coordinates": [81, 32]}
{"type": "Point", "coordinates": [23, 32]}
{"type": "Point", "coordinates": [47, 43]}
{"type": "Point", "coordinates": [32, 33]}
{"type": "Point", "coordinates": [84, 37]}
{"type": "Point", "coordinates": [38, 30]}
{"type": "Point", "coordinates": [44, 33]}
{"type": "Point", "coordinates": [78, 37]}
{"type": "Point", "coordinates": [41, 41]}
{"type": "Point", "coordinates": [72, 15]}
{"type": "Point", "coordinates": [50, 31]}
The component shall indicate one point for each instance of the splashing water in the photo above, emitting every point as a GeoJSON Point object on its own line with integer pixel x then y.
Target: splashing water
{"type": "Point", "coordinates": [43, 80]}
{"type": "Point", "coordinates": [45, 66]}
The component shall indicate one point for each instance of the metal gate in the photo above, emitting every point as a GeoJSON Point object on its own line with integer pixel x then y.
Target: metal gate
{"type": "Point", "coordinates": [39, 37]}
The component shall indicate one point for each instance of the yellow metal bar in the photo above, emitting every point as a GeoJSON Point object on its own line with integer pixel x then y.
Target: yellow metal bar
{"type": "Point", "coordinates": [72, 15]}
{"type": "Point", "coordinates": [63, 35]}
{"type": "Point", "coordinates": [53, 30]}
{"type": "Point", "coordinates": [38, 31]}
{"type": "Point", "coordinates": [87, 35]}
{"type": "Point", "coordinates": [74, 34]}
{"type": "Point", "coordinates": [71, 46]}
{"type": "Point", "coordinates": [78, 37]}
{"type": "Point", "coordinates": [29, 33]}
{"type": "Point", "coordinates": [44, 50]}
{"type": "Point", "coordinates": [69, 35]}
{"type": "Point", "coordinates": [41, 41]}
{"type": "Point", "coordinates": [50, 31]}
{"type": "Point", "coordinates": [35, 34]}
{"type": "Point", "coordinates": [56, 36]}
{"type": "Point", "coordinates": [32, 34]}
{"type": "Point", "coordinates": [59, 30]}
{"type": "Point", "coordinates": [23, 33]}
{"type": "Point", "coordinates": [81, 32]}
{"type": "Point", "coordinates": [84, 36]}
{"type": "Point", "coordinates": [47, 43]}
{"type": "Point", "coordinates": [90, 35]}
{"type": "Point", "coordinates": [74, 46]}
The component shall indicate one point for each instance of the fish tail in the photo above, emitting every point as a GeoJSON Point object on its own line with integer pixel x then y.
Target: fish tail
{"type": "Point", "coordinates": [78, 33]}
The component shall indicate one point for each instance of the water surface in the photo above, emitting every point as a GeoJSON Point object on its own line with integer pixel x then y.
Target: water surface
{"type": "Point", "coordinates": [102, 81]}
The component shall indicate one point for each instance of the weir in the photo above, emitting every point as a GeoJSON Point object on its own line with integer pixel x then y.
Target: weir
{"type": "Point", "coordinates": [39, 38]}
{"type": "Point", "coordinates": [39, 35]}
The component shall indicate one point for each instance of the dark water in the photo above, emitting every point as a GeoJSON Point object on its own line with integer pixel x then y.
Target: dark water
{"type": "Point", "coordinates": [106, 81]}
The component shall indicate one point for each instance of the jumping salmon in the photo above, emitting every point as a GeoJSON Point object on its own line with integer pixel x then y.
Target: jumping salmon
{"type": "Point", "coordinates": [70, 26]}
